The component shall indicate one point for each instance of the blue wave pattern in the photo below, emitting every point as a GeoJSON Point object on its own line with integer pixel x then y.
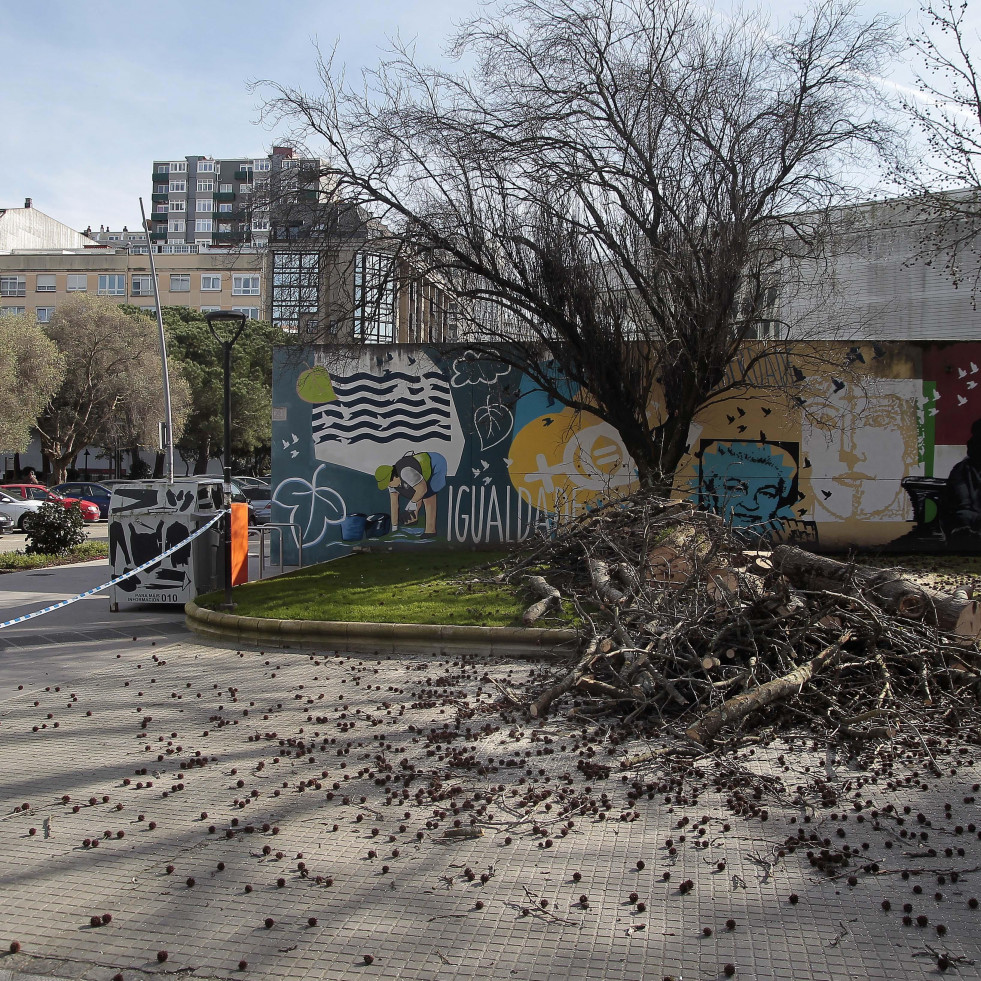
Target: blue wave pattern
{"type": "Point", "coordinates": [384, 408]}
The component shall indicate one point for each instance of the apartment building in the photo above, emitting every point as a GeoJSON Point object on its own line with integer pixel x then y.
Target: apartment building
{"type": "Point", "coordinates": [226, 202]}
{"type": "Point", "coordinates": [37, 282]}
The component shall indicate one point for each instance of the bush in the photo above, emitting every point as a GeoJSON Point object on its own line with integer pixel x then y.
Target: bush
{"type": "Point", "coordinates": [140, 470]}
{"type": "Point", "coordinates": [54, 529]}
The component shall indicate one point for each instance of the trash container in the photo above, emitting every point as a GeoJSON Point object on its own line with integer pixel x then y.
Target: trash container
{"type": "Point", "coordinates": [146, 517]}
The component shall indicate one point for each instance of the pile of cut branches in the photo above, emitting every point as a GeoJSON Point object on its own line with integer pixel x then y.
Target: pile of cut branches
{"type": "Point", "coordinates": [682, 622]}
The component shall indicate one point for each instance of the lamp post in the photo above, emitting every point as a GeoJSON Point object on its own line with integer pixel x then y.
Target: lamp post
{"type": "Point", "coordinates": [87, 477]}
{"type": "Point", "coordinates": [236, 323]}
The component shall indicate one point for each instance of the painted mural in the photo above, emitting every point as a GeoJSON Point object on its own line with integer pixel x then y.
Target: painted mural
{"type": "Point", "coordinates": [860, 445]}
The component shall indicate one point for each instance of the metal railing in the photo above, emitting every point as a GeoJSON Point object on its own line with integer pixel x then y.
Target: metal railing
{"type": "Point", "coordinates": [277, 526]}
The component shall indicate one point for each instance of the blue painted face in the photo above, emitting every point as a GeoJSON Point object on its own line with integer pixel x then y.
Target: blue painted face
{"type": "Point", "coordinates": [747, 484]}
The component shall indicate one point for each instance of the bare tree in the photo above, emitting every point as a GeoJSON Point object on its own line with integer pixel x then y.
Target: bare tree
{"type": "Point", "coordinates": [624, 183]}
{"type": "Point", "coordinates": [942, 173]}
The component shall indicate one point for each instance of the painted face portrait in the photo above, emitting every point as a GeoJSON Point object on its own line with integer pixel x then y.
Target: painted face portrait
{"type": "Point", "coordinates": [750, 485]}
{"type": "Point", "coordinates": [861, 442]}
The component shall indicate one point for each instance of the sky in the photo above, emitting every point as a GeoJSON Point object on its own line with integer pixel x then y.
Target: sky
{"type": "Point", "coordinates": [96, 90]}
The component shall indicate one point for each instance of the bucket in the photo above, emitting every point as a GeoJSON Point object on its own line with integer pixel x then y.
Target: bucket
{"type": "Point", "coordinates": [378, 525]}
{"type": "Point", "coordinates": [353, 527]}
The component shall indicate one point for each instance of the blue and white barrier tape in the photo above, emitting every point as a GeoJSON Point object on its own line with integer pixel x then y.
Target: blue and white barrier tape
{"type": "Point", "coordinates": [112, 582]}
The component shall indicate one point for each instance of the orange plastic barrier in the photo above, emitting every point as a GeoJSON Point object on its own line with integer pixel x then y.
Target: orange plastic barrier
{"type": "Point", "coordinates": [240, 544]}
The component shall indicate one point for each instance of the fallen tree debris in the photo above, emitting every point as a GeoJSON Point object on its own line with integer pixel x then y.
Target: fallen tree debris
{"type": "Point", "coordinates": [685, 622]}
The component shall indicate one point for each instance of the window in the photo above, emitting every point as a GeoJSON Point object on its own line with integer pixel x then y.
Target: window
{"type": "Point", "coordinates": [204, 204]}
{"type": "Point", "coordinates": [178, 187]}
{"type": "Point", "coordinates": [45, 282]}
{"type": "Point", "coordinates": [176, 225]}
{"type": "Point", "coordinates": [251, 312]}
{"type": "Point", "coordinates": [206, 187]}
{"type": "Point", "coordinates": [203, 225]}
{"type": "Point", "coordinates": [13, 285]}
{"type": "Point", "coordinates": [245, 285]}
{"type": "Point", "coordinates": [160, 172]}
{"type": "Point", "coordinates": [374, 298]}
{"type": "Point", "coordinates": [12, 311]}
{"type": "Point", "coordinates": [178, 166]}
{"type": "Point", "coordinates": [226, 188]}
{"type": "Point", "coordinates": [210, 282]}
{"type": "Point", "coordinates": [44, 314]}
{"type": "Point", "coordinates": [209, 309]}
{"type": "Point", "coordinates": [178, 206]}
{"type": "Point", "coordinates": [295, 287]}
{"type": "Point", "coordinates": [260, 224]}
{"type": "Point", "coordinates": [290, 164]}
{"type": "Point", "coordinates": [206, 167]}
{"type": "Point", "coordinates": [77, 282]}
{"type": "Point", "coordinates": [142, 286]}
{"type": "Point", "coordinates": [224, 208]}
{"type": "Point", "coordinates": [245, 189]}
{"type": "Point", "coordinates": [112, 284]}
{"type": "Point", "coordinates": [260, 165]}
{"type": "Point", "coordinates": [180, 283]}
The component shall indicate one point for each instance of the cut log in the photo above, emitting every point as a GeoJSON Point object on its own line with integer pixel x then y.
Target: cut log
{"type": "Point", "coordinates": [706, 729]}
{"type": "Point", "coordinates": [599, 573]}
{"type": "Point", "coordinates": [887, 590]}
{"type": "Point", "coordinates": [550, 597]}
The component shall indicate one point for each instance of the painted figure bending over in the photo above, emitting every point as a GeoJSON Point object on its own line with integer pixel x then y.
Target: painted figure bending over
{"type": "Point", "coordinates": [415, 479]}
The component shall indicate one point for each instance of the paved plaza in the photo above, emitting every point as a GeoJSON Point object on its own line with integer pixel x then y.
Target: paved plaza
{"type": "Point", "coordinates": [312, 814]}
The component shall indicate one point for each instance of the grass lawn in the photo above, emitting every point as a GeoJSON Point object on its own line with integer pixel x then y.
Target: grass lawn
{"type": "Point", "coordinates": [18, 561]}
{"type": "Point", "coordinates": [385, 587]}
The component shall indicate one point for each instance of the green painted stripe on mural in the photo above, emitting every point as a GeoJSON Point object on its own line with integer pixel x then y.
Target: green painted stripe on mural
{"type": "Point", "coordinates": [928, 429]}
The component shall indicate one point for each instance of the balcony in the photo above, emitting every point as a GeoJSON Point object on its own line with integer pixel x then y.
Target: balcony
{"type": "Point", "coordinates": [309, 194]}
{"type": "Point", "coordinates": [161, 177]}
{"type": "Point", "coordinates": [243, 175]}
{"type": "Point", "coordinates": [224, 196]}
{"type": "Point", "coordinates": [228, 237]}
{"type": "Point", "coordinates": [158, 233]}
{"type": "Point", "coordinates": [158, 197]}
{"type": "Point", "coordinates": [160, 216]}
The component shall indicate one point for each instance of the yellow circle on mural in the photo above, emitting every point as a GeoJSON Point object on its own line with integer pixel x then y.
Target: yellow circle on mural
{"type": "Point", "coordinates": [566, 460]}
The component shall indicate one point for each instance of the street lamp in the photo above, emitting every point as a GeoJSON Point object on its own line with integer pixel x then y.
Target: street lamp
{"type": "Point", "coordinates": [235, 325]}
{"type": "Point", "coordinates": [87, 477]}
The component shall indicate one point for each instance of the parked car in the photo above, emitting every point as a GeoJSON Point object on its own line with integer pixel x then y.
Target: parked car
{"type": "Point", "coordinates": [6, 523]}
{"type": "Point", "coordinates": [86, 490]}
{"type": "Point", "coordinates": [245, 482]}
{"type": "Point", "coordinates": [260, 499]}
{"type": "Point", "coordinates": [19, 511]}
{"type": "Point", "coordinates": [35, 492]}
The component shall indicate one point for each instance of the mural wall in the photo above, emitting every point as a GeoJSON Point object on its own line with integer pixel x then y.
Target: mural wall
{"type": "Point", "coordinates": [846, 445]}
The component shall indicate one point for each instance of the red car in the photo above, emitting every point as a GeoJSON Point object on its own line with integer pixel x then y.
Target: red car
{"type": "Point", "coordinates": [35, 492]}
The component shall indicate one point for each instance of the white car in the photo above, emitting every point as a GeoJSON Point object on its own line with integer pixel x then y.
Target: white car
{"type": "Point", "coordinates": [19, 511]}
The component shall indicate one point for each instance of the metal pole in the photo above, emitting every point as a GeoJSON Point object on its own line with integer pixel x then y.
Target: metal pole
{"type": "Point", "coordinates": [226, 347]}
{"type": "Point", "coordinates": [168, 446]}
{"type": "Point", "coordinates": [226, 355]}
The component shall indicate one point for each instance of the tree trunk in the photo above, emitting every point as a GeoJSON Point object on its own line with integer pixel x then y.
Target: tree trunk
{"type": "Point", "coordinates": [203, 458]}
{"type": "Point", "coordinates": [884, 588]}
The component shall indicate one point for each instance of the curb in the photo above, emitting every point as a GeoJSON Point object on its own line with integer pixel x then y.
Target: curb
{"type": "Point", "coordinates": [392, 638]}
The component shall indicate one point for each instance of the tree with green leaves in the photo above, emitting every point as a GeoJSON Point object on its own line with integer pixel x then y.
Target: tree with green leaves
{"type": "Point", "coordinates": [192, 346]}
{"type": "Point", "coordinates": [112, 390]}
{"type": "Point", "coordinates": [31, 369]}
